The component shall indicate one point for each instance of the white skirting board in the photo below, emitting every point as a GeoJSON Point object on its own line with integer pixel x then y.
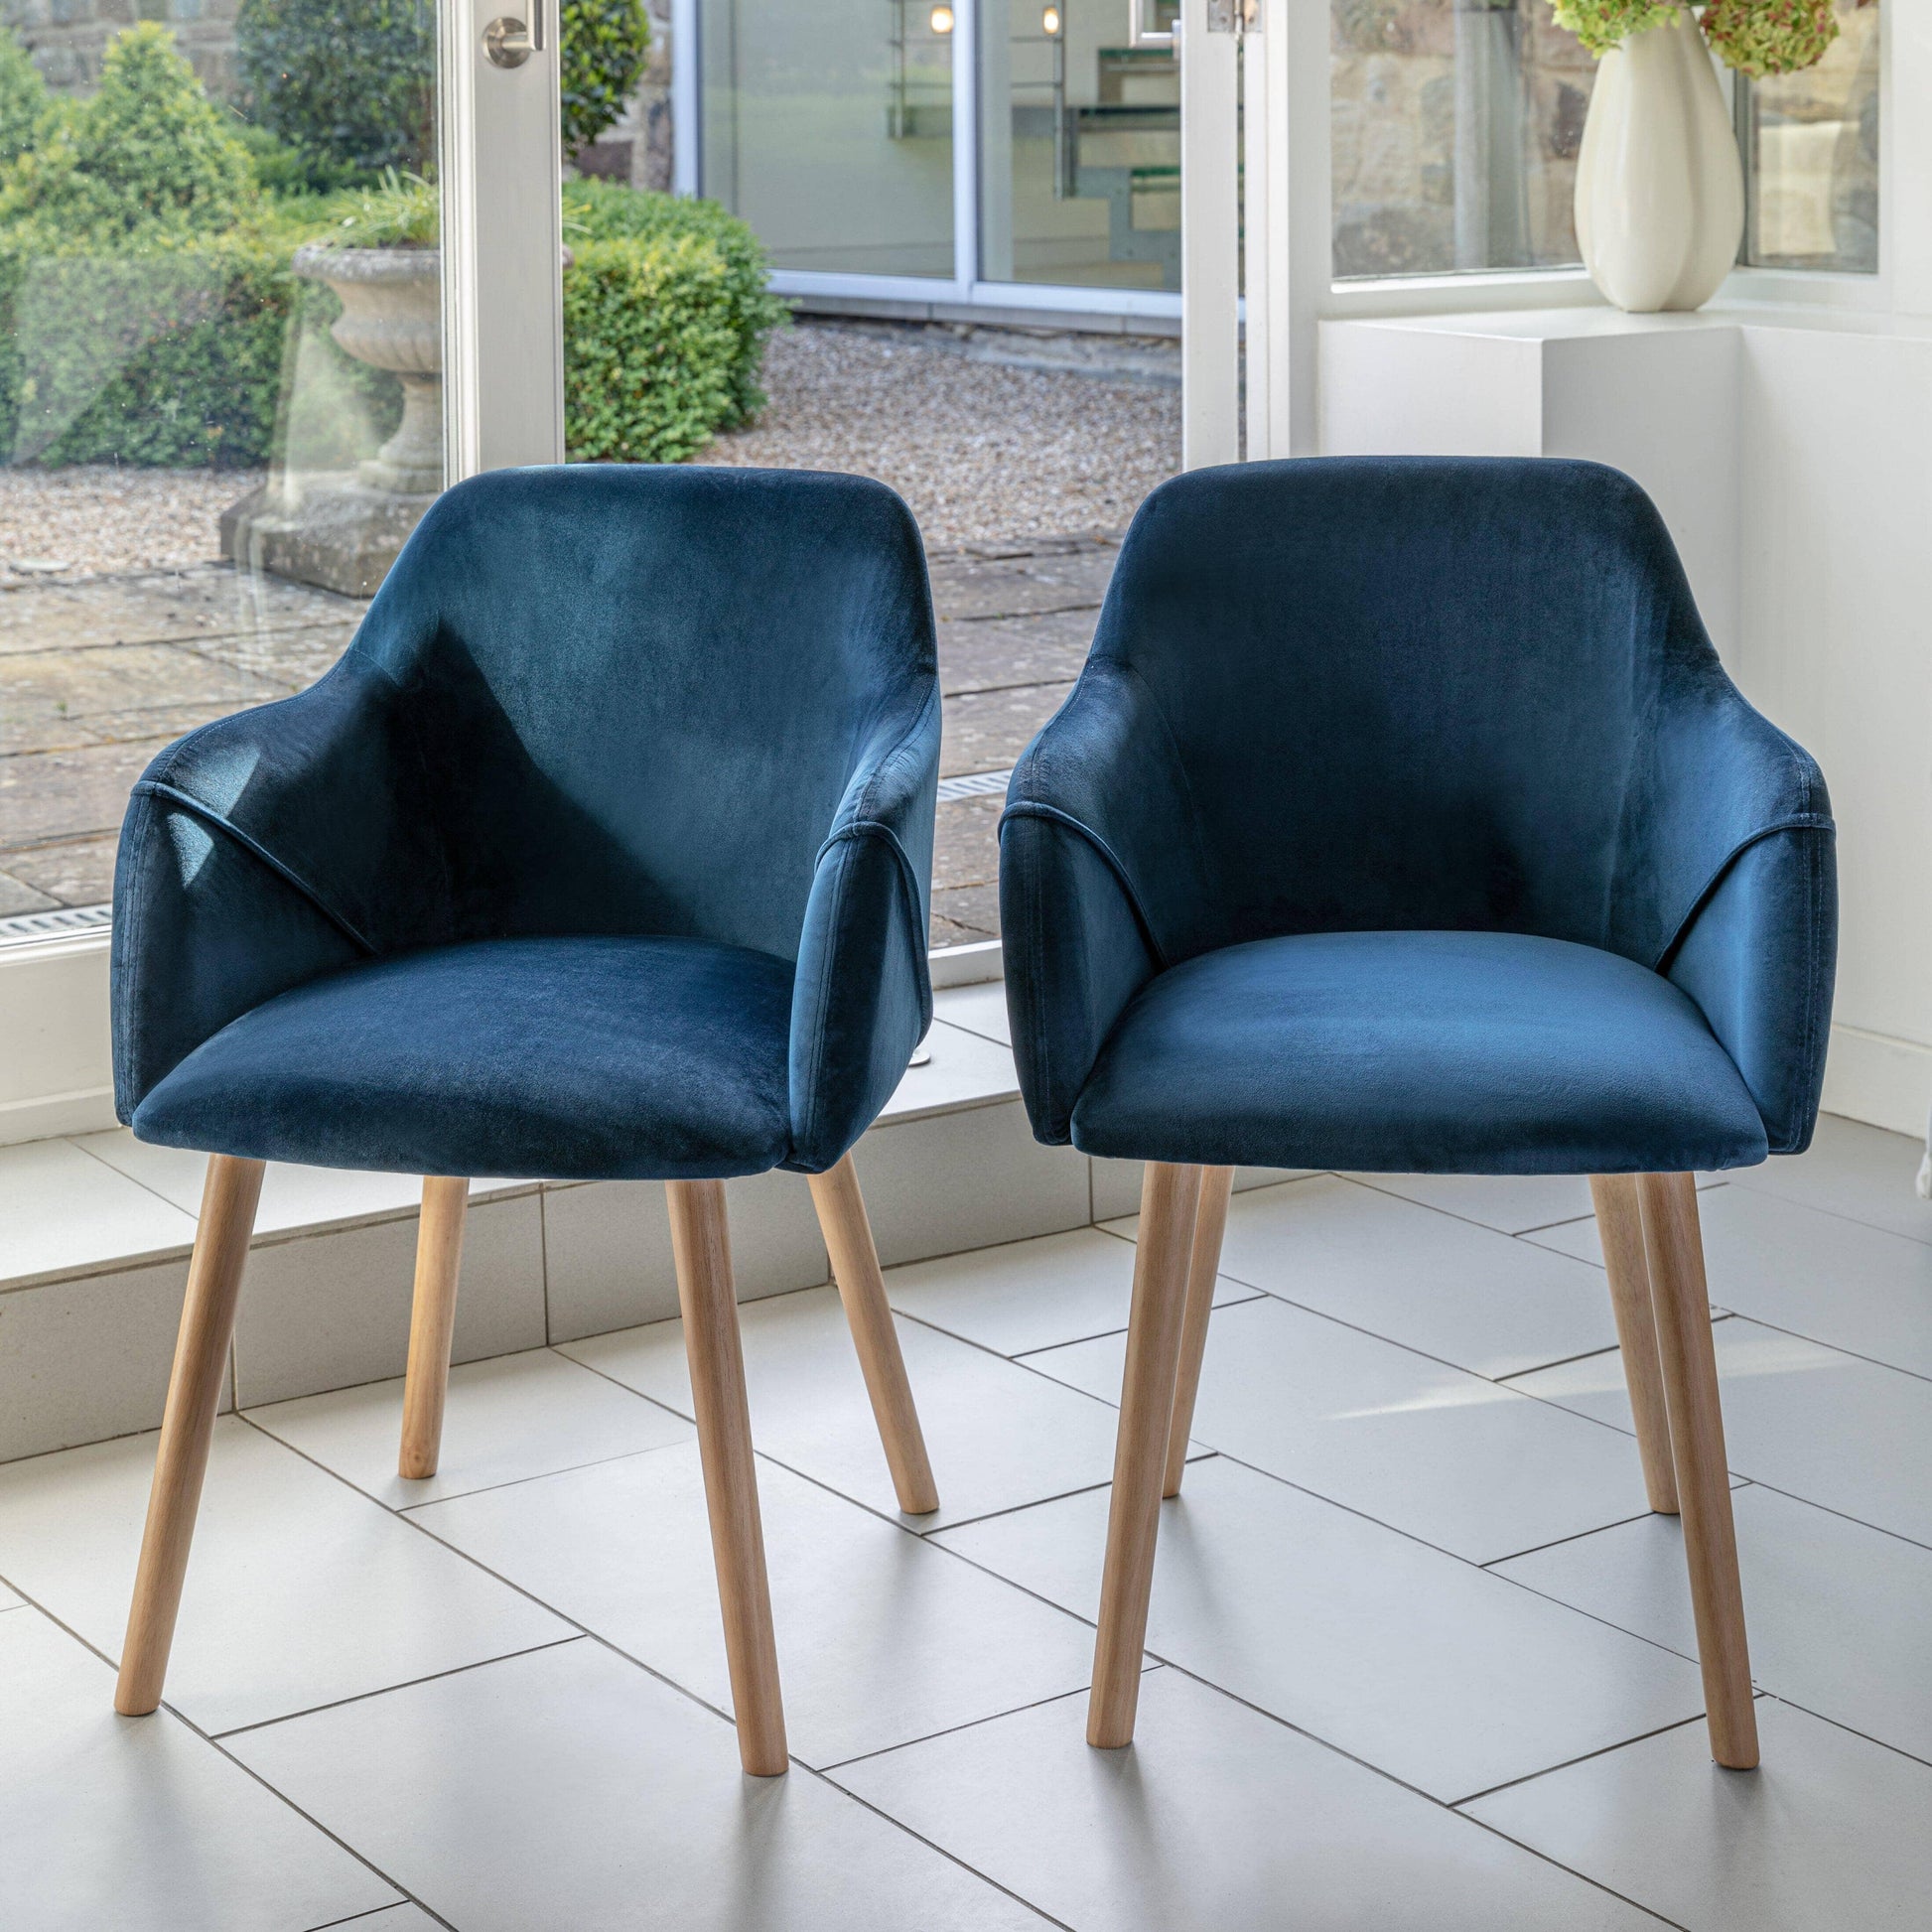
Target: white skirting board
{"type": "Point", "coordinates": [1882, 1081]}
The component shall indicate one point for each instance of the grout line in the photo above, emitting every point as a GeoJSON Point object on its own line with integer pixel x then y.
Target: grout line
{"type": "Point", "coordinates": [965, 1723]}
{"type": "Point", "coordinates": [356, 1918]}
{"type": "Point", "coordinates": [1558, 1542]}
{"type": "Point", "coordinates": [1584, 1758]}
{"type": "Point", "coordinates": [538, 1475]}
{"type": "Point", "coordinates": [383, 1690]}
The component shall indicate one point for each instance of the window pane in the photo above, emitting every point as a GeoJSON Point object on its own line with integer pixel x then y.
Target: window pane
{"type": "Point", "coordinates": [829, 128]}
{"type": "Point", "coordinates": [1812, 139]}
{"type": "Point", "coordinates": [214, 435]}
{"type": "Point", "coordinates": [1456, 125]}
{"type": "Point", "coordinates": [1079, 143]}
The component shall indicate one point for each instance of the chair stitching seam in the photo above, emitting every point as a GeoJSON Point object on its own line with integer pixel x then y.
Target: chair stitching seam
{"type": "Point", "coordinates": [154, 787]}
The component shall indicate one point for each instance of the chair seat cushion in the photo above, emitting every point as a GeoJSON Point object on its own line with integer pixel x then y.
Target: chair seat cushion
{"type": "Point", "coordinates": [1422, 1053]}
{"type": "Point", "coordinates": [566, 1059]}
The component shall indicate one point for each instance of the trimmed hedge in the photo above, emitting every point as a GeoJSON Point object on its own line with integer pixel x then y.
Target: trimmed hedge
{"type": "Point", "coordinates": [166, 357]}
{"type": "Point", "coordinates": [695, 364]}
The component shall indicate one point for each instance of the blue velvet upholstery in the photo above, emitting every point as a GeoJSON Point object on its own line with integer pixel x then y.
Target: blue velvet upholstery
{"type": "Point", "coordinates": [604, 850]}
{"type": "Point", "coordinates": [1402, 818]}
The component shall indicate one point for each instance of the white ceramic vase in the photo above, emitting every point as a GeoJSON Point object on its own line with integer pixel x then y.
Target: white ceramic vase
{"type": "Point", "coordinates": [1660, 189]}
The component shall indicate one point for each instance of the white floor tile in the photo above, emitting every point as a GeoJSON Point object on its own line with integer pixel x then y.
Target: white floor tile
{"type": "Point", "coordinates": [1827, 1834]}
{"type": "Point", "coordinates": [1117, 1185]}
{"type": "Point", "coordinates": [958, 1181]}
{"type": "Point", "coordinates": [999, 1434]}
{"type": "Point", "coordinates": [966, 1069]}
{"type": "Point", "coordinates": [1441, 1674]}
{"type": "Point", "coordinates": [1836, 1613]}
{"type": "Point", "coordinates": [980, 1009]}
{"type": "Point", "coordinates": [60, 1384]}
{"type": "Point", "coordinates": [1217, 1820]}
{"type": "Point", "coordinates": [328, 1311]}
{"type": "Point", "coordinates": [1027, 1294]}
{"type": "Point", "coordinates": [1819, 1274]}
{"type": "Point", "coordinates": [1508, 1202]}
{"type": "Point", "coordinates": [9, 1600]}
{"type": "Point", "coordinates": [137, 1824]}
{"type": "Point", "coordinates": [506, 1420]}
{"type": "Point", "coordinates": [293, 1198]}
{"type": "Point", "coordinates": [300, 1591]}
{"type": "Point", "coordinates": [882, 1637]}
{"type": "Point", "coordinates": [1848, 1434]}
{"type": "Point", "coordinates": [1852, 1170]}
{"type": "Point", "coordinates": [1465, 1464]}
{"type": "Point", "coordinates": [62, 1213]}
{"type": "Point", "coordinates": [570, 1791]}
{"type": "Point", "coordinates": [1478, 1299]}
{"type": "Point", "coordinates": [398, 1918]}
{"type": "Point", "coordinates": [608, 1249]}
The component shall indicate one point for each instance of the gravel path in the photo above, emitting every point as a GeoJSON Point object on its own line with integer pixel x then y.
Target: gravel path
{"type": "Point", "coordinates": [983, 453]}
{"type": "Point", "coordinates": [96, 518]}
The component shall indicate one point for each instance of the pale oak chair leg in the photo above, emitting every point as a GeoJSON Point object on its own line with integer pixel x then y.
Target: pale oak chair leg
{"type": "Point", "coordinates": [861, 1288]}
{"type": "Point", "coordinates": [701, 1246]}
{"type": "Point", "coordinates": [1675, 1250]}
{"type": "Point", "coordinates": [1169, 1196]}
{"type": "Point", "coordinates": [1619, 1225]}
{"type": "Point", "coordinates": [1210, 1224]}
{"type": "Point", "coordinates": [432, 1323]}
{"type": "Point", "coordinates": [228, 1201]}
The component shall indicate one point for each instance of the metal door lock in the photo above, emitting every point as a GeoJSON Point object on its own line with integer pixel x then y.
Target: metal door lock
{"type": "Point", "coordinates": [510, 42]}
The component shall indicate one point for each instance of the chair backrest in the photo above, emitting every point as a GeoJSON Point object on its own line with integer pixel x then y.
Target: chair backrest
{"type": "Point", "coordinates": [1405, 692]}
{"type": "Point", "coordinates": [635, 694]}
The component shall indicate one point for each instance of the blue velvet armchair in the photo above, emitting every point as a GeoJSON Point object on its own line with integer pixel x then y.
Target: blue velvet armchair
{"type": "Point", "coordinates": [1402, 818]}
{"type": "Point", "coordinates": [605, 852]}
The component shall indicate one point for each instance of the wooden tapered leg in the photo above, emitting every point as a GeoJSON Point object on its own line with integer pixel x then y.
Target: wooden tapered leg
{"type": "Point", "coordinates": [701, 1245]}
{"type": "Point", "coordinates": [432, 1321]}
{"type": "Point", "coordinates": [228, 1201]}
{"type": "Point", "coordinates": [1675, 1250]}
{"type": "Point", "coordinates": [1210, 1224]}
{"type": "Point", "coordinates": [1619, 1225]}
{"type": "Point", "coordinates": [1169, 1196]}
{"type": "Point", "coordinates": [861, 1288]}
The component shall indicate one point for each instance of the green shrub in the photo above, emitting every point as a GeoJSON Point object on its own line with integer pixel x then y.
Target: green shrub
{"type": "Point", "coordinates": [605, 212]}
{"type": "Point", "coordinates": [603, 44]}
{"type": "Point", "coordinates": [349, 84]}
{"type": "Point", "coordinates": [24, 99]}
{"type": "Point", "coordinates": [399, 211]}
{"type": "Point", "coordinates": [148, 156]}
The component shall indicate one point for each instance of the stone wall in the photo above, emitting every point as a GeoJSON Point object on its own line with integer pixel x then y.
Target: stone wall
{"type": "Point", "coordinates": [1403, 115]}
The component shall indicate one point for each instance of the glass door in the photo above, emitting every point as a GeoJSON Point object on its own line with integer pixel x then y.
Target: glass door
{"type": "Point", "coordinates": [246, 334]}
{"type": "Point", "coordinates": [1080, 143]}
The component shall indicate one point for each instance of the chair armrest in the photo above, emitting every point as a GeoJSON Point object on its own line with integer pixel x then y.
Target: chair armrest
{"type": "Point", "coordinates": [1743, 887]}
{"type": "Point", "coordinates": [1103, 882]}
{"type": "Point", "coordinates": [260, 852]}
{"type": "Point", "coordinates": [863, 998]}
{"type": "Point", "coordinates": [1076, 955]}
{"type": "Point", "coordinates": [1758, 957]}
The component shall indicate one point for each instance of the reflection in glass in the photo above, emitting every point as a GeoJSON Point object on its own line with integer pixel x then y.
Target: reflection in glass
{"type": "Point", "coordinates": [218, 281]}
{"type": "Point", "coordinates": [829, 128]}
{"type": "Point", "coordinates": [1079, 143]}
{"type": "Point", "coordinates": [1454, 129]}
{"type": "Point", "coordinates": [1811, 142]}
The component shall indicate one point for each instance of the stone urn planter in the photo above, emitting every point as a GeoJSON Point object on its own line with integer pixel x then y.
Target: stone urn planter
{"type": "Point", "coordinates": [343, 529]}
{"type": "Point", "coordinates": [1660, 188]}
{"type": "Point", "coordinates": [392, 319]}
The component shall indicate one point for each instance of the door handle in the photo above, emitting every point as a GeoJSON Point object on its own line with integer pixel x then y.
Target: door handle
{"type": "Point", "coordinates": [510, 42]}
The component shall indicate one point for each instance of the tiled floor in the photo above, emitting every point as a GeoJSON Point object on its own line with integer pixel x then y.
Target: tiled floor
{"type": "Point", "coordinates": [1419, 1657]}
